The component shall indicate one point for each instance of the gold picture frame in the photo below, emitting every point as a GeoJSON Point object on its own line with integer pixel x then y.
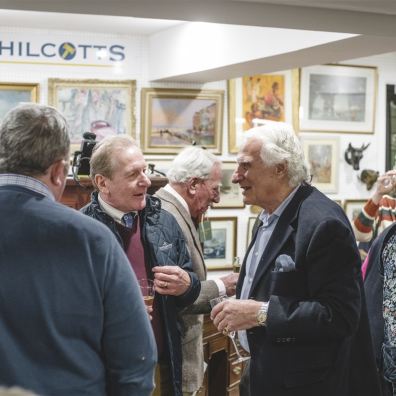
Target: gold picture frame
{"type": "Point", "coordinates": [104, 107]}
{"type": "Point", "coordinates": [175, 118]}
{"type": "Point", "coordinates": [220, 250]}
{"type": "Point", "coordinates": [13, 94]}
{"type": "Point", "coordinates": [260, 97]}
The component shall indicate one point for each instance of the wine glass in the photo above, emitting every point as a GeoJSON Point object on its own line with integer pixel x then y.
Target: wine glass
{"type": "Point", "coordinates": [147, 289]}
{"type": "Point", "coordinates": [231, 334]}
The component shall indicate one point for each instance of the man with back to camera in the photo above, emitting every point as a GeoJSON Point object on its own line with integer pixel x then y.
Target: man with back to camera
{"type": "Point", "coordinates": [194, 182]}
{"type": "Point", "coordinates": [64, 281]}
{"type": "Point", "coordinates": [300, 308]}
{"type": "Point", "coordinates": [150, 237]}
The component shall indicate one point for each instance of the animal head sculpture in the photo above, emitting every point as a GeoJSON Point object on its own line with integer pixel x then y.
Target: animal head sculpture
{"type": "Point", "coordinates": [353, 155]}
{"type": "Point", "coordinates": [368, 177]}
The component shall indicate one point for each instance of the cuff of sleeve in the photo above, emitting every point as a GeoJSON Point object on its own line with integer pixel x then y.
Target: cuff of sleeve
{"type": "Point", "coordinates": [221, 286]}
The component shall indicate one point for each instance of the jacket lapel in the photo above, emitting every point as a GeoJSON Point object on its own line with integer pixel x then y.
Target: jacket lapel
{"type": "Point", "coordinates": [286, 225]}
{"type": "Point", "coordinates": [166, 196]}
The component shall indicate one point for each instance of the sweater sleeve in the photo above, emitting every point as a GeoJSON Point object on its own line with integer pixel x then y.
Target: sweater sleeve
{"type": "Point", "coordinates": [363, 225]}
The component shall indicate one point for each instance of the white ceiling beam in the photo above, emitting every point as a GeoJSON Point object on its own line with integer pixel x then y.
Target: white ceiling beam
{"type": "Point", "coordinates": [251, 13]}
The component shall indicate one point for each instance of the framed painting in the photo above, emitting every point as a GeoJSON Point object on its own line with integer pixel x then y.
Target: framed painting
{"type": "Point", "coordinates": [390, 159]}
{"type": "Point", "coordinates": [175, 118]}
{"type": "Point", "coordinates": [322, 156]}
{"type": "Point", "coordinates": [251, 221]}
{"type": "Point", "coordinates": [353, 207]}
{"type": "Point", "coordinates": [103, 107]}
{"type": "Point", "coordinates": [220, 249]}
{"type": "Point", "coordinates": [337, 98]}
{"type": "Point", "coordinates": [13, 94]}
{"type": "Point", "coordinates": [230, 193]}
{"type": "Point", "coordinates": [252, 99]}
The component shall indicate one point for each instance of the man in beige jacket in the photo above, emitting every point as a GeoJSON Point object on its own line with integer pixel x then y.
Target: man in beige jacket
{"type": "Point", "coordinates": [194, 182]}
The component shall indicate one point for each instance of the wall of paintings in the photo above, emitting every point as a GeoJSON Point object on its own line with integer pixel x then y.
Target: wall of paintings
{"type": "Point", "coordinates": [330, 106]}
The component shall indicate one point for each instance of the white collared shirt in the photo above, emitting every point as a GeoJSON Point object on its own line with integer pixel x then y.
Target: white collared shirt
{"type": "Point", "coordinates": [114, 213]}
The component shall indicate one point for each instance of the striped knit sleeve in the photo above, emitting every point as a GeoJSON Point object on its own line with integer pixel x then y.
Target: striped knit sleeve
{"type": "Point", "coordinates": [363, 224]}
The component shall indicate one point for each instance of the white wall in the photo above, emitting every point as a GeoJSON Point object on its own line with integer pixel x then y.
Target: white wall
{"type": "Point", "coordinates": [349, 187]}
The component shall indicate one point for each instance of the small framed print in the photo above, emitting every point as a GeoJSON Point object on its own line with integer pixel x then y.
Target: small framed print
{"type": "Point", "coordinates": [220, 249]}
{"type": "Point", "coordinates": [230, 193]}
{"type": "Point", "coordinates": [338, 98]}
{"type": "Point", "coordinates": [322, 156]}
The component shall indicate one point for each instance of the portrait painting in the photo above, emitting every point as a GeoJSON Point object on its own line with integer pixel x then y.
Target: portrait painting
{"type": "Point", "coordinates": [322, 157]}
{"type": "Point", "coordinates": [103, 107]}
{"type": "Point", "coordinates": [255, 98]}
{"type": "Point", "coordinates": [13, 94]}
{"type": "Point", "coordinates": [175, 118]}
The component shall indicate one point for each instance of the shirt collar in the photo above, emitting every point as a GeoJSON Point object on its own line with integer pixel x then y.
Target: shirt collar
{"type": "Point", "coordinates": [267, 218]}
{"type": "Point", "coordinates": [173, 192]}
{"type": "Point", "coordinates": [31, 183]}
{"type": "Point", "coordinates": [116, 214]}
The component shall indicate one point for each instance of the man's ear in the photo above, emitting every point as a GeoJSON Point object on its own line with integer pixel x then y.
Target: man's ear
{"type": "Point", "coordinates": [281, 169]}
{"type": "Point", "coordinates": [101, 183]}
{"type": "Point", "coordinates": [192, 185]}
{"type": "Point", "coordinates": [58, 173]}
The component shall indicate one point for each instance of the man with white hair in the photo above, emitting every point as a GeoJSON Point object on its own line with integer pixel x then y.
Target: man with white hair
{"type": "Point", "coordinates": [194, 182]}
{"type": "Point", "coordinates": [300, 308]}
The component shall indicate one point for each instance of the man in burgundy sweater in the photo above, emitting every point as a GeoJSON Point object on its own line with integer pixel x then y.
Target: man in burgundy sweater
{"type": "Point", "coordinates": [150, 237]}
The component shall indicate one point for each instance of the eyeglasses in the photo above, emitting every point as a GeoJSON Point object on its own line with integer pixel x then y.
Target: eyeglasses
{"type": "Point", "coordinates": [213, 189]}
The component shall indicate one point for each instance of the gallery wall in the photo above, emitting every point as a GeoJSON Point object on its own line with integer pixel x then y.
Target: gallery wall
{"type": "Point", "coordinates": [134, 67]}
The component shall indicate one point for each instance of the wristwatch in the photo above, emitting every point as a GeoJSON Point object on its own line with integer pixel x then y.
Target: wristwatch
{"type": "Point", "coordinates": [262, 314]}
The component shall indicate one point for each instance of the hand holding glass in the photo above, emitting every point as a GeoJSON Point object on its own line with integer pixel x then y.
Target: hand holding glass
{"type": "Point", "coordinates": [230, 334]}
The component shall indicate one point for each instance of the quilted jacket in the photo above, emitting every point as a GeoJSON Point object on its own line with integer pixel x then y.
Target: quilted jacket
{"type": "Point", "coordinates": [163, 244]}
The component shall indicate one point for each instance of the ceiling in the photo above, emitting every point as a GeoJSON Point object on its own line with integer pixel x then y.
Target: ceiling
{"type": "Point", "coordinates": [372, 21]}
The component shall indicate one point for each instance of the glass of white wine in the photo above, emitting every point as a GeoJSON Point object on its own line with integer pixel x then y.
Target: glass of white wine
{"type": "Point", "coordinates": [230, 334]}
{"type": "Point", "coordinates": [147, 289]}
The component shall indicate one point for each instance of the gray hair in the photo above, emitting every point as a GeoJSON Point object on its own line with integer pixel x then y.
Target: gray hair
{"type": "Point", "coordinates": [280, 144]}
{"type": "Point", "coordinates": [32, 138]}
{"type": "Point", "coordinates": [191, 162]}
{"type": "Point", "coordinates": [104, 159]}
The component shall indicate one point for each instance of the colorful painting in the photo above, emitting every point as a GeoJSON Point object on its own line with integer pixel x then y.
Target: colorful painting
{"type": "Point", "coordinates": [252, 99]}
{"type": "Point", "coordinates": [103, 107]}
{"type": "Point", "coordinates": [173, 119]}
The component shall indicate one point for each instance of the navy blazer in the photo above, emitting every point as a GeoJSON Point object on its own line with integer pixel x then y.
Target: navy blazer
{"type": "Point", "coordinates": [317, 321]}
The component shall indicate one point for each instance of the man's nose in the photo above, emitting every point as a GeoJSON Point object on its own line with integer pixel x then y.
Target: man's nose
{"type": "Point", "coordinates": [145, 181]}
{"type": "Point", "coordinates": [236, 177]}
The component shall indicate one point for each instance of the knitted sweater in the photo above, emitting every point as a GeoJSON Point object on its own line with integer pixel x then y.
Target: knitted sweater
{"type": "Point", "coordinates": [373, 219]}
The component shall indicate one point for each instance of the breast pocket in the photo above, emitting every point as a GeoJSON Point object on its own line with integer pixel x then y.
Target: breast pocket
{"type": "Point", "coordinates": [288, 284]}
